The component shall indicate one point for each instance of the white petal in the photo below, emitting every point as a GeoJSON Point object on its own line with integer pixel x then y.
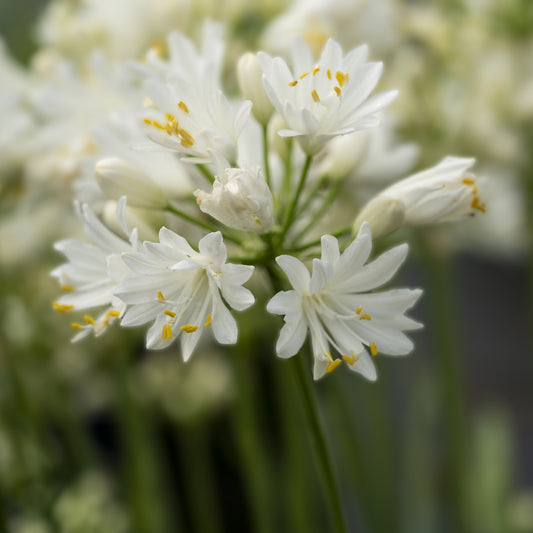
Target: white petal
{"type": "Point", "coordinates": [364, 366]}
{"type": "Point", "coordinates": [213, 247]}
{"type": "Point", "coordinates": [296, 271]}
{"type": "Point", "coordinates": [291, 336]}
{"type": "Point", "coordinates": [223, 323]}
{"type": "Point", "coordinates": [284, 302]}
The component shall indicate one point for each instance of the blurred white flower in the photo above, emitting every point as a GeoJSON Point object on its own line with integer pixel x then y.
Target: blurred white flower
{"type": "Point", "coordinates": [93, 271]}
{"type": "Point", "coordinates": [334, 305]}
{"type": "Point", "coordinates": [240, 198]}
{"type": "Point", "coordinates": [179, 290]}
{"type": "Point", "coordinates": [322, 100]}
{"type": "Point", "coordinates": [441, 193]}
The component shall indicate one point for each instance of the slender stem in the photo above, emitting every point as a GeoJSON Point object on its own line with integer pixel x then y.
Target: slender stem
{"type": "Point", "coordinates": [328, 200]}
{"type": "Point", "coordinates": [319, 444]}
{"type": "Point", "coordinates": [339, 233]}
{"type": "Point", "coordinates": [320, 184]}
{"type": "Point", "coordinates": [265, 158]}
{"type": "Point", "coordinates": [200, 223]}
{"type": "Point", "coordinates": [206, 173]}
{"type": "Point", "coordinates": [290, 214]}
{"type": "Point", "coordinates": [283, 193]}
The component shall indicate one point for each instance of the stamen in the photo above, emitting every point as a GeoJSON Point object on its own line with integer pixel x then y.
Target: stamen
{"type": "Point", "coordinates": [328, 74]}
{"type": "Point", "coordinates": [359, 309]}
{"type": "Point", "coordinates": [333, 365]}
{"type": "Point", "coordinates": [293, 83]}
{"type": "Point", "coordinates": [315, 70]}
{"type": "Point", "coordinates": [160, 296]}
{"type": "Point", "coordinates": [188, 328]}
{"type": "Point", "coordinates": [302, 76]}
{"type": "Point", "coordinates": [62, 308]}
{"type": "Point", "coordinates": [147, 121]}
{"type": "Point", "coordinates": [169, 313]}
{"type": "Point", "coordinates": [315, 96]}
{"type": "Point", "coordinates": [365, 316]}
{"type": "Point", "coordinates": [167, 332]}
{"type": "Point", "coordinates": [373, 348]}
{"type": "Point", "coordinates": [468, 181]}
{"type": "Point", "coordinates": [350, 360]}
{"type": "Point", "coordinates": [113, 312]}
{"type": "Point", "coordinates": [207, 321]}
{"type": "Point", "coordinates": [170, 117]}
{"type": "Point", "coordinates": [183, 107]}
{"type": "Point", "coordinates": [75, 325]}
{"type": "Point", "coordinates": [89, 319]}
{"type": "Point", "coordinates": [67, 288]}
{"type": "Point", "coordinates": [186, 138]}
{"type": "Point", "coordinates": [339, 76]}
{"type": "Point", "coordinates": [476, 205]}
{"type": "Point", "coordinates": [337, 91]}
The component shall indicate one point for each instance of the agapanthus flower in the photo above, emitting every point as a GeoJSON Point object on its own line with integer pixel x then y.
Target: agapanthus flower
{"type": "Point", "coordinates": [445, 192]}
{"type": "Point", "coordinates": [333, 304]}
{"type": "Point", "coordinates": [321, 100]}
{"type": "Point", "coordinates": [180, 291]}
{"type": "Point", "coordinates": [94, 270]}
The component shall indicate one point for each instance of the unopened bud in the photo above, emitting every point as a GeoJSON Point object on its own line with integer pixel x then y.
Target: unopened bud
{"type": "Point", "coordinates": [251, 85]}
{"type": "Point", "coordinates": [384, 215]}
{"type": "Point", "coordinates": [117, 177]}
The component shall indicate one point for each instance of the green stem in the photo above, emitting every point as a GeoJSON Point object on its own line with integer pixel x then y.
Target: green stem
{"type": "Point", "coordinates": [320, 184]}
{"type": "Point", "coordinates": [265, 157]}
{"type": "Point", "coordinates": [339, 233]}
{"type": "Point", "coordinates": [319, 443]}
{"type": "Point", "coordinates": [328, 200]}
{"type": "Point", "coordinates": [290, 214]}
{"type": "Point", "coordinates": [206, 173]}
{"type": "Point", "coordinates": [284, 192]}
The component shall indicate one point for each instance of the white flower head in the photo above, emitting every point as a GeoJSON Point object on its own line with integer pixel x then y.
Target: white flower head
{"type": "Point", "coordinates": [441, 193]}
{"type": "Point", "coordinates": [94, 270]}
{"type": "Point", "coordinates": [180, 290]}
{"type": "Point", "coordinates": [334, 305]}
{"type": "Point", "coordinates": [322, 100]}
{"type": "Point", "coordinates": [240, 198]}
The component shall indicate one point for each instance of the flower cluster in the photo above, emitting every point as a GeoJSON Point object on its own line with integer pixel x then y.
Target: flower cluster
{"type": "Point", "coordinates": [260, 187]}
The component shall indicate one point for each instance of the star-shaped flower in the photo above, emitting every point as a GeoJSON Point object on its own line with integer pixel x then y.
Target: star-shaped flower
{"type": "Point", "coordinates": [334, 305]}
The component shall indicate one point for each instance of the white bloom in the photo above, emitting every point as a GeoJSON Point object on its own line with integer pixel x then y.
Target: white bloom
{"type": "Point", "coordinates": [180, 291]}
{"type": "Point", "coordinates": [94, 270]}
{"type": "Point", "coordinates": [441, 193]}
{"type": "Point", "coordinates": [118, 177]}
{"type": "Point", "coordinates": [334, 305]}
{"type": "Point", "coordinates": [322, 100]}
{"type": "Point", "coordinates": [187, 111]}
{"type": "Point", "coordinates": [240, 199]}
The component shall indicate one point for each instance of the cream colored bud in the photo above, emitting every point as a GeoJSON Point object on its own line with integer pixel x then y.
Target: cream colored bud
{"type": "Point", "coordinates": [251, 85]}
{"type": "Point", "coordinates": [384, 215]}
{"type": "Point", "coordinates": [117, 177]}
{"type": "Point", "coordinates": [343, 154]}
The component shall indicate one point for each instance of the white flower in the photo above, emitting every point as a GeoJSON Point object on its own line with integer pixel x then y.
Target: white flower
{"type": "Point", "coordinates": [441, 193]}
{"type": "Point", "coordinates": [187, 111]}
{"type": "Point", "coordinates": [94, 270]}
{"type": "Point", "coordinates": [180, 291]}
{"type": "Point", "coordinates": [322, 100]}
{"type": "Point", "coordinates": [334, 305]}
{"type": "Point", "coordinates": [240, 198]}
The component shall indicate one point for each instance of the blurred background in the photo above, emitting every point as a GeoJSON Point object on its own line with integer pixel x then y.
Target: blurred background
{"type": "Point", "coordinates": [101, 436]}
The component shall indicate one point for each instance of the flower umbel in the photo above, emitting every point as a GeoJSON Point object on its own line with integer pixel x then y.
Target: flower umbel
{"type": "Point", "coordinates": [180, 291]}
{"type": "Point", "coordinates": [334, 305]}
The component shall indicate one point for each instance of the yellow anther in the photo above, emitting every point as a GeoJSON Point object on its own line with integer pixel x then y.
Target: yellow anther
{"type": "Point", "coordinates": [293, 83]}
{"type": "Point", "coordinates": [340, 77]}
{"type": "Point", "coordinates": [302, 76]}
{"type": "Point", "coordinates": [75, 325]}
{"type": "Point", "coordinates": [315, 96]}
{"type": "Point", "coordinates": [207, 321]}
{"type": "Point", "coordinates": [147, 121]}
{"type": "Point", "coordinates": [106, 322]}
{"type": "Point", "coordinates": [347, 76]}
{"type": "Point", "coordinates": [188, 328]}
{"type": "Point", "coordinates": [113, 312]}
{"type": "Point", "coordinates": [167, 332]}
{"type": "Point", "coordinates": [160, 296]}
{"type": "Point", "coordinates": [348, 359]}
{"type": "Point", "coordinates": [62, 308]}
{"type": "Point", "coordinates": [476, 205]}
{"type": "Point", "coordinates": [89, 319]}
{"type": "Point", "coordinates": [337, 91]}
{"type": "Point", "coordinates": [169, 313]}
{"type": "Point", "coordinates": [328, 74]}
{"type": "Point", "coordinates": [186, 138]}
{"type": "Point", "coordinates": [170, 117]}
{"type": "Point", "coordinates": [183, 107]}
{"type": "Point", "coordinates": [373, 348]}
{"type": "Point", "coordinates": [315, 70]}
{"type": "Point", "coordinates": [365, 316]}
{"type": "Point", "coordinates": [333, 365]}
{"type": "Point", "coordinates": [158, 125]}
{"type": "Point", "coordinates": [468, 181]}
{"type": "Point", "coordinates": [359, 309]}
{"type": "Point", "coordinates": [67, 288]}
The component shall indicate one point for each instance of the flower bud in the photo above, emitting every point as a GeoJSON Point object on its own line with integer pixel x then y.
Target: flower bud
{"type": "Point", "coordinates": [384, 215]}
{"type": "Point", "coordinates": [240, 199]}
{"type": "Point", "coordinates": [251, 85]}
{"type": "Point", "coordinates": [117, 177]}
{"type": "Point", "coordinates": [343, 154]}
